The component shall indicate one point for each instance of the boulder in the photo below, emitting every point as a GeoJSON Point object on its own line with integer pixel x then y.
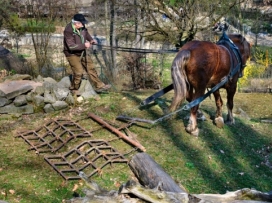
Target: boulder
{"type": "Point", "coordinates": [12, 89]}
{"type": "Point", "coordinates": [20, 100]}
{"type": "Point", "coordinates": [59, 105]}
{"type": "Point", "coordinates": [12, 109]}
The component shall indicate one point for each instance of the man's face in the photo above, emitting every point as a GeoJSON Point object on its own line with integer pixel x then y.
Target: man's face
{"type": "Point", "coordinates": [78, 25]}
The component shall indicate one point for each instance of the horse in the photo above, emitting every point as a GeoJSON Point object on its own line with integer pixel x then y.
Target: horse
{"type": "Point", "coordinates": [200, 65]}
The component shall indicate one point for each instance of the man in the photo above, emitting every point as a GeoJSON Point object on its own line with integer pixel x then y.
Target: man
{"type": "Point", "coordinates": [76, 41]}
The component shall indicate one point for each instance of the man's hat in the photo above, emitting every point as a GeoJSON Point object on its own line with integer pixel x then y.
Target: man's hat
{"type": "Point", "coordinates": [79, 17]}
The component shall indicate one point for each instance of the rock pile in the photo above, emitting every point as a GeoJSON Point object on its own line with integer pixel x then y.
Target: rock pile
{"type": "Point", "coordinates": [19, 94]}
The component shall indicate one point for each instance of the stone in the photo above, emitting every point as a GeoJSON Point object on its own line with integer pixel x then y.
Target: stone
{"type": "Point", "coordinates": [12, 109]}
{"type": "Point", "coordinates": [82, 87]}
{"type": "Point", "coordinates": [49, 86]}
{"type": "Point", "coordinates": [4, 101]}
{"type": "Point", "coordinates": [50, 80]}
{"type": "Point", "coordinates": [59, 105]}
{"type": "Point", "coordinates": [2, 94]}
{"type": "Point", "coordinates": [39, 90]}
{"type": "Point", "coordinates": [39, 101]}
{"type": "Point", "coordinates": [12, 89]}
{"type": "Point", "coordinates": [80, 99]}
{"type": "Point", "coordinates": [39, 78]}
{"type": "Point", "coordinates": [48, 108]}
{"type": "Point", "coordinates": [18, 77]}
{"type": "Point", "coordinates": [49, 98]}
{"type": "Point", "coordinates": [64, 82]}
{"type": "Point", "coordinates": [70, 99]}
{"type": "Point", "coordinates": [20, 100]}
{"type": "Point", "coordinates": [29, 96]}
{"type": "Point", "coordinates": [88, 91]}
{"type": "Point", "coordinates": [61, 93]}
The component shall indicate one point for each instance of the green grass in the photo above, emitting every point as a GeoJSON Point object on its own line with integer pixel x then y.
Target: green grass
{"type": "Point", "coordinates": [217, 161]}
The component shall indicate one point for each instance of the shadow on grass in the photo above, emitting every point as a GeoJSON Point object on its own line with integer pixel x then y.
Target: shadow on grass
{"type": "Point", "coordinates": [219, 160]}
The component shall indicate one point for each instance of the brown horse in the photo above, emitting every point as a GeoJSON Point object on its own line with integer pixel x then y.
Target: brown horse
{"type": "Point", "coordinates": [202, 64]}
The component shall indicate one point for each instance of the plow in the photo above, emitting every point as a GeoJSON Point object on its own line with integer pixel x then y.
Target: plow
{"type": "Point", "coordinates": [162, 92]}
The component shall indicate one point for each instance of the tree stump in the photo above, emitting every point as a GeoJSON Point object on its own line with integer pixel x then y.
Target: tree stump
{"type": "Point", "coordinates": [151, 175]}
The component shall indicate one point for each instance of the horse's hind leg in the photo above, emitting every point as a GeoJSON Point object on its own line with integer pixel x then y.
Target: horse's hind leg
{"type": "Point", "coordinates": [218, 121]}
{"type": "Point", "coordinates": [192, 125]}
{"type": "Point", "coordinates": [230, 95]}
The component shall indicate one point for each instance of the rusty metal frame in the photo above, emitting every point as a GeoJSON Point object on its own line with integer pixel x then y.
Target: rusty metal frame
{"type": "Point", "coordinates": [94, 154]}
{"type": "Point", "coordinates": [52, 136]}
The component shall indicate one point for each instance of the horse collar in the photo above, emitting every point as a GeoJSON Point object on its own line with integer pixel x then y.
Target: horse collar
{"type": "Point", "coordinates": [232, 47]}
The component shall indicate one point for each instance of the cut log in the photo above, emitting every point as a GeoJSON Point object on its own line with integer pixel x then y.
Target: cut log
{"type": "Point", "coordinates": [153, 195]}
{"type": "Point", "coordinates": [245, 195]}
{"type": "Point", "coordinates": [151, 175]}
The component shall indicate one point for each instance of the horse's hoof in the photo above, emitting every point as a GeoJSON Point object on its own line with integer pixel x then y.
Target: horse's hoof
{"type": "Point", "coordinates": [195, 132]}
{"type": "Point", "coordinates": [230, 122]}
{"type": "Point", "coordinates": [191, 131]}
{"type": "Point", "coordinates": [219, 122]}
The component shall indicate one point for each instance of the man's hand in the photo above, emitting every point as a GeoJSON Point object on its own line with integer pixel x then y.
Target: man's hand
{"type": "Point", "coordinates": [87, 45]}
{"type": "Point", "coordinates": [93, 41]}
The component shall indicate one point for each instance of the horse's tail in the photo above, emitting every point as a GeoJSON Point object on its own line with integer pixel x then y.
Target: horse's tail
{"type": "Point", "coordinates": [179, 78]}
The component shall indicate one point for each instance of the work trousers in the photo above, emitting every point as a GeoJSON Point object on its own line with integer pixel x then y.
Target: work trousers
{"type": "Point", "coordinates": [78, 65]}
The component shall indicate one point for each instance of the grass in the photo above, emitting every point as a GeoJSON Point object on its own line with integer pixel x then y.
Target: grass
{"type": "Point", "coordinates": [219, 160]}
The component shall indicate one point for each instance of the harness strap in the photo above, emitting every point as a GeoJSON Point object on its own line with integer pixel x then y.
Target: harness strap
{"type": "Point", "coordinates": [225, 39]}
{"type": "Point", "coordinates": [186, 107]}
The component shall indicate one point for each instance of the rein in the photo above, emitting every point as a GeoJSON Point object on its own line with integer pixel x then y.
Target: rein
{"type": "Point", "coordinates": [138, 50]}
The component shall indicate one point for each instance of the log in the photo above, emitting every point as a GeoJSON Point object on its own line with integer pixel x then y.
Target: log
{"type": "Point", "coordinates": [151, 175]}
{"type": "Point", "coordinates": [245, 195]}
{"type": "Point", "coordinates": [153, 195]}
{"type": "Point", "coordinates": [117, 132]}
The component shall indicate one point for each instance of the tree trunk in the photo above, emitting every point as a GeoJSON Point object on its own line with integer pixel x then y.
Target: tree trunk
{"type": "Point", "coordinates": [151, 175]}
{"type": "Point", "coordinates": [114, 71]}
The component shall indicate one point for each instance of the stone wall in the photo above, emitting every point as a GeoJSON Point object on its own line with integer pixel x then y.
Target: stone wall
{"type": "Point", "coordinates": [19, 94]}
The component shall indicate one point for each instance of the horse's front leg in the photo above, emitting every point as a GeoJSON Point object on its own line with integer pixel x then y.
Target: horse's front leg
{"type": "Point", "coordinates": [218, 120]}
{"type": "Point", "coordinates": [230, 95]}
{"type": "Point", "coordinates": [192, 125]}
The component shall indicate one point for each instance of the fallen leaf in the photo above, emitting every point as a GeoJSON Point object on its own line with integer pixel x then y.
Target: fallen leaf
{"type": "Point", "coordinates": [117, 184]}
{"type": "Point", "coordinates": [75, 187]}
{"type": "Point", "coordinates": [12, 191]}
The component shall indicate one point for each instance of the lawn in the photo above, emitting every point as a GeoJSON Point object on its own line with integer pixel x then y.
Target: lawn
{"type": "Point", "coordinates": [217, 161]}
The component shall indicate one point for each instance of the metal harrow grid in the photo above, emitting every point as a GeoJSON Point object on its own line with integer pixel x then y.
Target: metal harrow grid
{"type": "Point", "coordinates": [94, 154]}
{"type": "Point", "coordinates": [52, 136]}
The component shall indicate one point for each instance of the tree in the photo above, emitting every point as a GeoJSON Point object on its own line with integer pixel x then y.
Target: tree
{"type": "Point", "coordinates": [170, 20]}
{"type": "Point", "coordinates": [40, 23]}
{"type": "Point", "coordinates": [179, 21]}
{"type": "Point", "coordinates": [37, 17]}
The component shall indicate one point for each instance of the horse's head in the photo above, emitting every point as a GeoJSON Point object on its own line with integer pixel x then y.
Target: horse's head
{"type": "Point", "coordinates": [243, 45]}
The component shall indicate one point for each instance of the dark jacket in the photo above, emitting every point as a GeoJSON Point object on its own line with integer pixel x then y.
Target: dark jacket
{"type": "Point", "coordinates": [73, 42]}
